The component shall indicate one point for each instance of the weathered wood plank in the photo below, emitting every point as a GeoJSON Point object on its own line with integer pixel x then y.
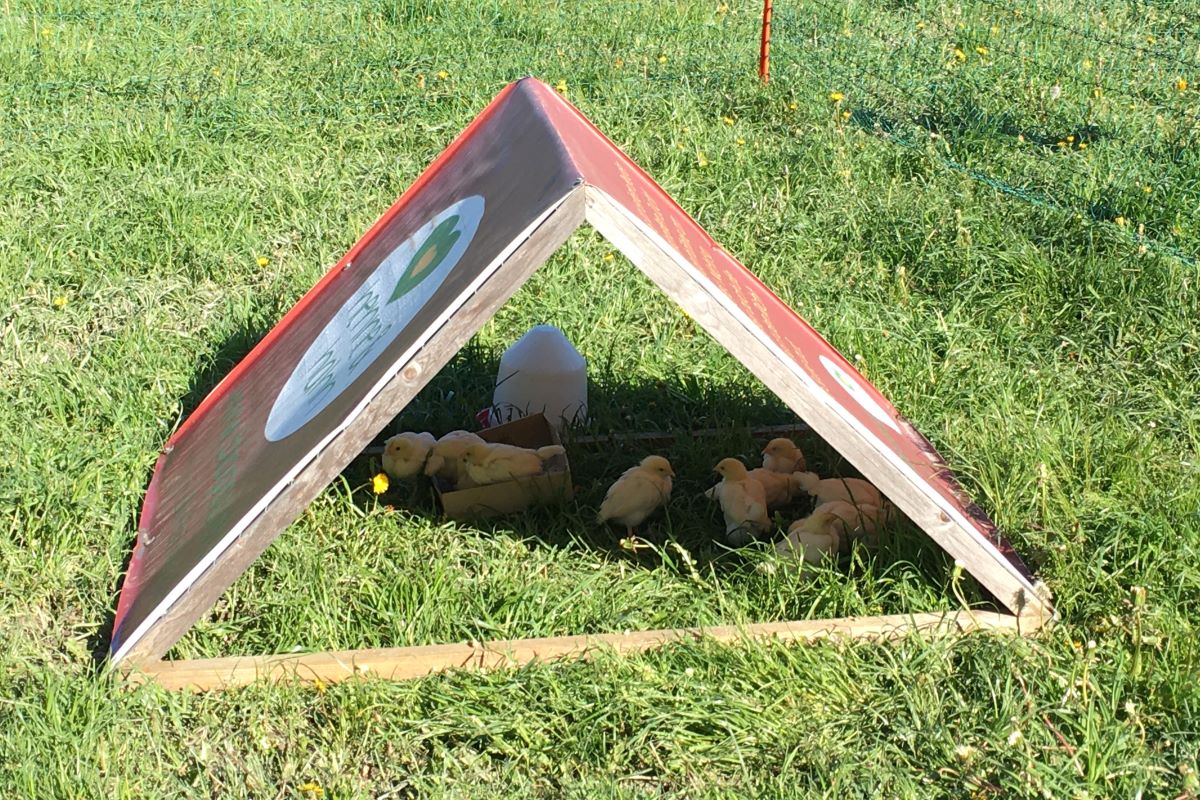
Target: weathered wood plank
{"type": "Point", "coordinates": [414, 662]}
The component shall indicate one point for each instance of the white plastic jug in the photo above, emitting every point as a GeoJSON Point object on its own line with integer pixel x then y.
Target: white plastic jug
{"type": "Point", "coordinates": [541, 372]}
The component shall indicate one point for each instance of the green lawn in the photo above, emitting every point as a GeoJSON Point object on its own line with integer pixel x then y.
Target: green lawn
{"type": "Point", "coordinates": [1002, 237]}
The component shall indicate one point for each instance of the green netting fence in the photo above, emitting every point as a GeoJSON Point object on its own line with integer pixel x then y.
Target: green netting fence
{"type": "Point", "coordinates": [1089, 110]}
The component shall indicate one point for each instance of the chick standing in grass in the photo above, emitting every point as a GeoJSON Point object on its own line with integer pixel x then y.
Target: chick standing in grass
{"type": "Point", "coordinates": [637, 493]}
{"type": "Point", "coordinates": [404, 454]}
{"type": "Point", "coordinates": [486, 463]}
{"type": "Point", "coordinates": [782, 455]}
{"type": "Point", "coordinates": [445, 458]}
{"type": "Point", "coordinates": [743, 502]}
{"type": "Point", "coordinates": [852, 490]}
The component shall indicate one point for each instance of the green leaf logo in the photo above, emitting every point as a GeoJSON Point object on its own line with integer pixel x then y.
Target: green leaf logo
{"type": "Point", "coordinates": [427, 257]}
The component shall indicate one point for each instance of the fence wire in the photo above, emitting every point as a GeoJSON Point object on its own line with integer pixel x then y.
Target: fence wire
{"type": "Point", "coordinates": [1086, 109]}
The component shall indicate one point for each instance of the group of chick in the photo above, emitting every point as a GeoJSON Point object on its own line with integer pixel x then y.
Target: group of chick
{"type": "Point", "coordinates": [462, 458]}
{"type": "Point", "coordinates": [848, 509]}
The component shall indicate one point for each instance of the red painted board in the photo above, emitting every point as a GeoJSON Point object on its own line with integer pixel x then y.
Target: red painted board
{"type": "Point", "coordinates": [317, 367]}
{"type": "Point", "coordinates": [605, 166]}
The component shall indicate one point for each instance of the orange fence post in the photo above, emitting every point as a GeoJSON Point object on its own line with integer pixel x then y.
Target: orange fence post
{"type": "Point", "coordinates": [764, 52]}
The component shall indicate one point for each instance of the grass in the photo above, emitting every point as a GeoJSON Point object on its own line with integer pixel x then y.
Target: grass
{"type": "Point", "coordinates": [1030, 306]}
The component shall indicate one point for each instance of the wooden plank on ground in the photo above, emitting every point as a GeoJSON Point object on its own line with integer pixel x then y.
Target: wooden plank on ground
{"type": "Point", "coordinates": [414, 662]}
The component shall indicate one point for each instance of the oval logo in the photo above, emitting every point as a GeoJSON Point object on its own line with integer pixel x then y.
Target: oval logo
{"type": "Point", "coordinates": [374, 316]}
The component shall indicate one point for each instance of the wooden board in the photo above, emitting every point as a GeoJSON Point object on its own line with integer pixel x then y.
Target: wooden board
{"type": "Point", "coordinates": [397, 393]}
{"type": "Point", "coordinates": [878, 464]}
{"type": "Point", "coordinates": [414, 662]}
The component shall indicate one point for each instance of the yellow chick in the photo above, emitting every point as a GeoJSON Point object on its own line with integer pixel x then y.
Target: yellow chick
{"type": "Point", "coordinates": [861, 522]}
{"type": "Point", "coordinates": [780, 487]}
{"type": "Point", "coordinates": [782, 455]}
{"type": "Point", "coordinates": [852, 490]}
{"type": "Point", "coordinates": [637, 493]}
{"type": "Point", "coordinates": [445, 458]}
{"type": "Point", "coordinates": [743, 502]}
{"type": "Point", "coordinates": [812, 539]}
{"type": "Point", "coordinates": [404, 454]}
{"type": "Point", "coordinates": [491, 463]}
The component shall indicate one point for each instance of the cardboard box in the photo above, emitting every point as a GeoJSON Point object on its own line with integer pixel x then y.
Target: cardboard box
{"type": "Point", "coordinates": [552, 486]}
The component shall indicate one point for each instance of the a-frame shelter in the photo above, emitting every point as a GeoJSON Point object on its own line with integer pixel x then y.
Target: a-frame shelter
{"type": "Point", "coordinates": [359, 346]}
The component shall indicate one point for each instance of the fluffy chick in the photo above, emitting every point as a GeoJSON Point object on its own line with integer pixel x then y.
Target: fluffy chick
{"type": "Point", "coordinates": [812, 539]}
{"type": "Point", "coordinates": [404, 454]}
{"type": "Point", "coordinates": [782, 455]}
{"type": "Point", "coordinates": [780, 487]}
{"type": "Point", "coordinates": [637, 493]}
{"type": "Point", "coordinates": [492, 463]}
{"type": "Point", "coordinates": [743, 502]}
{"type": "Point", "coordinates": [445, 458]}
{"type": "Point", "coordinates": [852, 490]}
{"type": "Point", "coordinates": [861, 522]}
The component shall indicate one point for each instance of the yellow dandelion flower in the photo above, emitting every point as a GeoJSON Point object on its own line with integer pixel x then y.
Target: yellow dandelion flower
{"type": "Point", "coordinates": [722, 8]}
{"type": "Point", "coordinates": [1097, 92]}
{"type": "Point", "coordinates": [837, 97]}
{"type": "Point", "coordinates": [995, 30]}
{"type": "Point", "coordinates": [442, 74]}
{"type": "Point", "coordinates": [845, 115]}
{"type": "Point", "coordinates": [1083, 145]}
{"type": "Point", "coordinates": [1149, 40]}
{"type": "Point", "coordinates": [420, 81]}
{"type": "Point", "coordinates": [262, 261]}
{"type": "Point", "coordinates": [920, 25]}
{"type": "Point", "coordinates": [701, 159]}
{"type": "Point", "coordinates": [216, 72]}
{"type": "Point", "coordinates": [959, 54]}
{"type": "Point", "coordinates": [59, 301]}
{"type": "Point", "coordinates": [47, 32]}
{"type": "Point", "coordinates": [1087, 63]}
{"type": "Point", "coordinates": [983, 51]}
{"type": "Point", "coordinates": [1061, 143]}
{"type": "Point", "coordinates": [1147, 189]}
{"type": "Point", "coordinates": [727, 120]}
{"type": "Point", "coordinates": [311, 788]}
{"type": "Point", "coordinates": [608, 256]}
{"type": "Point", "coordinates": [1119, 220]}
{"type": "Point", "coordinates": [739, 141]}
{"type": "Point", "coordinates": [793, 105]}
{"type": "Point", "coordinates": [379, 484]}
{"type": "Point", "coordinates": [1071, 138]}
{"type": "Point", "coordinates": [662, 59]}
{"type": "Point", "coordinates": [319, 685]}
{"type": "Point", "coordinates": [561, 87]}
{"type": "Point", "coordinates": [1181, 85]}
